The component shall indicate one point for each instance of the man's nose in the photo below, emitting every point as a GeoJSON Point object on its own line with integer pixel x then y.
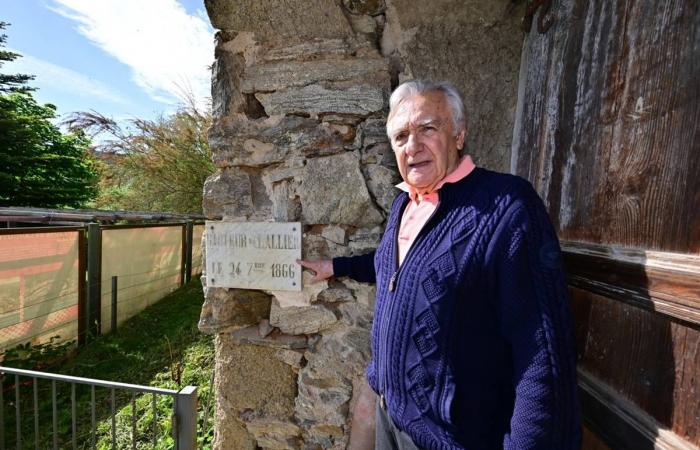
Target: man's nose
{"type": "Point", "coordinates": [412, 144]}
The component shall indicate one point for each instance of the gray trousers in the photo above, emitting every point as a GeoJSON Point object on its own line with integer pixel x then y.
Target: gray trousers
{"type": "Point", "coordinates": [388, 437]}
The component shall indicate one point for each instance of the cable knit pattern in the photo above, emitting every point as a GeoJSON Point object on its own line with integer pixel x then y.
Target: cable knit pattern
{"type": "Point", "coordinates": [473, 348]}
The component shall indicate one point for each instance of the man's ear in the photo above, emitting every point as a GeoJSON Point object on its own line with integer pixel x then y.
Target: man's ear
{"type": "Point", "coordinates": [460, 138]}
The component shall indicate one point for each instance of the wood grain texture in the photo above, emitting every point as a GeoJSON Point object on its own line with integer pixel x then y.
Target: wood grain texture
{"type": "Point", "coordinates": [607, 122]}
{"type": "Point", "coordinates": [668, 283]}
{"type": "Point", "coordinates": [591, 441]}
{"type": "Point", "coordinates": [616, 422]}
{"type": "Point", "coordinates": [608, 131]}
{"type": "Point", "coordinates": [647, 359]}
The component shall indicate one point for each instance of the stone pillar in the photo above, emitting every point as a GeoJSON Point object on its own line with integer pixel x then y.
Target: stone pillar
{"type": "Point", "coordinates": [300, 91]}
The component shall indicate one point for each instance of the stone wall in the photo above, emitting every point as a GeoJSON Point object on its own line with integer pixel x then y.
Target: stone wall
{"type": "Point", "coordinates": [300, 90]}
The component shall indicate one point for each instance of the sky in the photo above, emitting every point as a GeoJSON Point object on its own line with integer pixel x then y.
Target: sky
{"type": "Point", "coordinates": [122, 58]}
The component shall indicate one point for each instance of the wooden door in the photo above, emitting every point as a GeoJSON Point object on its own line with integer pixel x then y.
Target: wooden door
{"type": "Point", "coordinates": [607, 130]}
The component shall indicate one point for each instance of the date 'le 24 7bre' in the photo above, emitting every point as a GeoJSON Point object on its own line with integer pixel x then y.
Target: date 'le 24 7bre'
{"type": "Point", "coordinates": [278, 270]}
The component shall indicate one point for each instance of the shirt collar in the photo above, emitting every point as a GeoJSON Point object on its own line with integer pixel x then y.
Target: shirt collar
{"type": "Point", "coordinates": [464, 168]}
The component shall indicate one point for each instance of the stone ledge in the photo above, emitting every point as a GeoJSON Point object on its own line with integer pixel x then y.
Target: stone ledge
{"type": "Point", "coordinates": [361, 100]}
{"type": "Point", "coordinates": [276, 339]}
{"type": "Point", "coordinates": [285, 74]}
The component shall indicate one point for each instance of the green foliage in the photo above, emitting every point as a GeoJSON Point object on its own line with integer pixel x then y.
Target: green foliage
{"type": "Point", "coordinates": [39, 165]}
{"type": "Point", "coordinates": [158, 165]}
{"type": "Point", "coordinates": [11, 82]}
{"type": "Point", "coordinates": [39, 356]}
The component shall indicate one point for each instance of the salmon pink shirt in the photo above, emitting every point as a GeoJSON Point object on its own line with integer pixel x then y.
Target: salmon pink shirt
{"type": "Point", "coordinates": [422, 206]}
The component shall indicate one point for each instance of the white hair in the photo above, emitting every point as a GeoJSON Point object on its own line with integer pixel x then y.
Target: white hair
{"type": "Point", "coordinates": [419, 87]}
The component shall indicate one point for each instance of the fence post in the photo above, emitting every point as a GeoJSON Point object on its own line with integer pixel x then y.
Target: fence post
{"type": "Point", "coordinates": [114, 304]}
{"type": "Point", "coordinates": [83, 309]}
{"type": "Point", "coordinates": [94, 267]}
{"type": "Point", "coordinates": [186, 418]}
{"type": "Point", "coordinates": [188, 250]}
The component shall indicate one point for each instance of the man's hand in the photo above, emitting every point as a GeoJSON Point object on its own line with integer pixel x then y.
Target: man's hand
{"type": "Point", "coordinates": [323, 268]}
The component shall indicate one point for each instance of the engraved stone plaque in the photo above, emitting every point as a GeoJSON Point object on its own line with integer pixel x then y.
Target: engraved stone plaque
{"type": "Point", "coordinates": [254, 255]}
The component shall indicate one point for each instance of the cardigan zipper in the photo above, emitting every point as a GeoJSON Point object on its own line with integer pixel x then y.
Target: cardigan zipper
{"type": "Point", "coordinates": [395, 276]}
{"type": "Point", "coordinates": [384, 378]}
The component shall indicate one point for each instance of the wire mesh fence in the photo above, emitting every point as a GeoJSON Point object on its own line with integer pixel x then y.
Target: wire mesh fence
{"type": "Point", "coordinates": [55, 282]}
{"type": "Point", "coordinates": [39, 285]}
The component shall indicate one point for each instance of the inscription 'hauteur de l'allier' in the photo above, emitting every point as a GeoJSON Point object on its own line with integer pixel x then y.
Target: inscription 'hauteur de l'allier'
{"type": "Point", "coordinates": [256, 241]}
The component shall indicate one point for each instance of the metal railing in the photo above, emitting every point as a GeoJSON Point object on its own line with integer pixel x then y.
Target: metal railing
{"type": "Point", "coordinates": [184, 418]}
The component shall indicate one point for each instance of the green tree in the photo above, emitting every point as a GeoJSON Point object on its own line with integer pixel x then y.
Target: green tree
{"type": "Point", "coordinates": [152, 165]}
{"type": "Point", "coordinates": [39, 165]}
{"type": "Point", "coordinates": [11, 82]}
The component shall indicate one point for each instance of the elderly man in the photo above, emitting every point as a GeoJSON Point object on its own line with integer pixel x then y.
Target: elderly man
{"type": "Point", "coordinates": [471, 342]}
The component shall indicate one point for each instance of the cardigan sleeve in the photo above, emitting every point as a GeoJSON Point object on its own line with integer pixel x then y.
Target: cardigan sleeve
{"type": "Point", "coordinates": [535, 319]}
{"type": "Point", "coordinates": [359, 268]}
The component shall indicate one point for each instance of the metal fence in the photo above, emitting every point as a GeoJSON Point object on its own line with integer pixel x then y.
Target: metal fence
{"type": "Point", "coordinates": [24, 398]}
{"type": "Point", "coordinates": [60, 280]}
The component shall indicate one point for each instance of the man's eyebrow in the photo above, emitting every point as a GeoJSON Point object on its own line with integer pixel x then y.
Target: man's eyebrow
{"type": "Point", "coordinates": [423, 123]}
{"type": "Point", "coordinates": [430, 121]}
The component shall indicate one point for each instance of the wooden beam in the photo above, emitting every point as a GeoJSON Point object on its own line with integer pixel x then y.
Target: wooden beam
{"type": "Point", "coordinates": [668, 283]}
{"type": "Point", "coordinates": [621, 423]}
{"type": "Point", "coordinates": [79, 215]}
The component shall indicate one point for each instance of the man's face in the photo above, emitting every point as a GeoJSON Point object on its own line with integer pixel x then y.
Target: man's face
{"type": "Point", "coordinates": [424, 141]}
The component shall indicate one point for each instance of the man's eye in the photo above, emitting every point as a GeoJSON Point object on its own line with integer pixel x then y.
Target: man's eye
{"type": "Point", "coordinates": [401, 137]}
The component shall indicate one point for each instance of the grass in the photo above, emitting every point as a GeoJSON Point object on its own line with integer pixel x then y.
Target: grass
{"type": "Point", "coordinates": [161, 346]}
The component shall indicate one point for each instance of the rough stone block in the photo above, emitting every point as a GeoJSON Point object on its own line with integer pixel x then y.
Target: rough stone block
{"type": "Point", "coordinates": [275, 339]}
{"type": "Point", "coordinates": [281, 21]}
{"type": "Point", "coordinates": [334, 234]}
{"type": "Point", "coordinates": [369, 7]}
{"type": "Point", "coordinates": [364, 240]}
{"type": "Point", "coordinates": [334, 192]}
{"type": "Point", "coordinates": [292, 357]}
{"type": "Point", "coordinates": [315, 99]}
{"type": "Point", "coordinates": [236, 194]}
{"type": "Point", "coordinates": [355, 315]}
{"type": "Point", "coordinates": [228, 192]}
{"type": "Point", "coordinates": [336, 295]}
{"type": "Point", "coordinates": [301, 319]}
{"type": "Point", "coordinates": [322, 401]}
{"type": "Point", "coordinates": [317, 247]}
{"type": "Point", "coordinates": [312, 49]}
{"type": "Point", "coordinates": [380, 153]}
{"type": "Point", "coordinates": [326, 437]}
{"type": "Point", "coordinates": [364, 25]}
{"type": "Point", "coordinates": [239, 141]}
{"type": "Point", "coordinates": [226, 310]}
{"type": "Point", "coordinates": [341, 353]}
{"type": "Point", "coordinates": [305, 297]}
{"type": "Point", "coordinates": [364, 293]}
{"type": "Point", "coordinates": [285, 205]}
{"type": "Point", "coordinates": [274, 433]}
{"type": "Point", "coordinates": [225, 74]}
{"type": "Point", "coordinates": [264, 328]}
{"type": "Point", "coordinates": [381, 182]}
{"type": "Point", "coordinates": [270, 393]}
{"type": "Point", "coordinates": [372, 131]}
{"type": "Point", "coordinates": [273, 76]}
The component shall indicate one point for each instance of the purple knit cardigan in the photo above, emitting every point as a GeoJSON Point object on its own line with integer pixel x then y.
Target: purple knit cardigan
{"type": "Point", "coordinates": [472, 339]}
